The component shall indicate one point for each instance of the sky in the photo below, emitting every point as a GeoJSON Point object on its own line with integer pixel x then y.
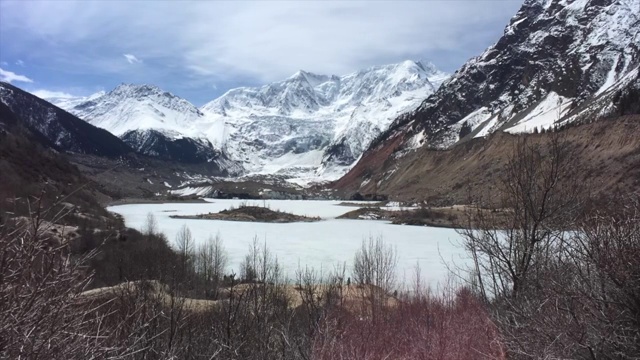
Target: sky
{"type": "Point", "coordinates": [200, 49]}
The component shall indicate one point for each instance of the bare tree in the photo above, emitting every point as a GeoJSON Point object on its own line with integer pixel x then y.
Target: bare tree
{"type": "Point", "coordinates": [184, 245]}
{"type": "Point", "coordinates": [603, 259]}
{"type": "Point", "coordinates": [43, 313]}
{"type": "Point", "coordinates": [540, 201]}
{"type": "Point", "coordinates": [374, 270]}
{"type": "Point", "coordinates": [210, 264]}
{"type": "Point", "coordinates": [561, 277]}
{"type": "Point", "coordinates": [375, 264]}
{"type": "Point", "coordinates": [150, 226]}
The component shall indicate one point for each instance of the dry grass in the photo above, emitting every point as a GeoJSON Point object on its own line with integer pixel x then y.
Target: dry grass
{"type": "Point", "coordinates": [152, 287]}
{"type": "Point", "coordinates": [608, 157]}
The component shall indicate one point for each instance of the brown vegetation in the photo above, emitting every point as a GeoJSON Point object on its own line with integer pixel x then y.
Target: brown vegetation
{"type": "Point", "coordinates": [534, 290]}
{"type": "Point", "coordinates": [608, 156]}
{"type": "Point", "coordinates": [555, 293]}
{"type": "Point", "coordinates": [182, 305]}
{"type": "Point", "coordinates": [455, 217]}
{"type": "Point", "coordinates": [251, 214]}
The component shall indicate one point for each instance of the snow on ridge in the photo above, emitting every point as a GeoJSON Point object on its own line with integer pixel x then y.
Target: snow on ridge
{"type": "Point", "coordinates": [310, 113]}
{"type": "Point", "coordinates": [547, 113]}
{"type": "Point", "coordinates": [285, 127]}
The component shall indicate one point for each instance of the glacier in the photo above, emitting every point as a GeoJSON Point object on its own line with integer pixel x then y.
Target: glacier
{"type": "Point", "coordinates": [307, 128]}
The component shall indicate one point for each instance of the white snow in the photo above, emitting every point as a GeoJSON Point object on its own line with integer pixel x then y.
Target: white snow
{"type": "Point", "coordinates": [416, 141]}
{"type": "Point", "coordinates": [192, 190]}
{"type": "Point", "coordinates": [603, 42]}
{"type": "Point", "coordinates": [319, 245]}
{"type": "Point", "coordinates": [284, 126]}
{"type": "Point", "coordinates": [611, 78]}
{"type": "Point", "coordinates": [551, 109]}
{"type": "Point", "coordinates": [316, 111]}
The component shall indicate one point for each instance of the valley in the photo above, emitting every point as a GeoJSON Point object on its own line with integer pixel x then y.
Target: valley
{"type": "Point", "coordinates": [394, 211]}
{"type": "Point", "coordinates": [323, 244]}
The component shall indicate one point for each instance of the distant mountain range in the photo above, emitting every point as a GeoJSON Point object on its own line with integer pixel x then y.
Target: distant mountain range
{"type": "Point", "coordinates": [559, 63]}
{"type": "Point", "coordinates": [307, 127]}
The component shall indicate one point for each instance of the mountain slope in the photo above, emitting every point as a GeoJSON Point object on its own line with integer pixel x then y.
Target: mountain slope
{"type": "Point", "coordinates": [151, 121]}
{"type": "Point", "coordinates": [558, 62]}
{"type": "Point", "coordinates": [307, 127]}
{"type": "Point", "coordinates": [564, 53]}
{"type": "Point", "coordinates": [608, 160]}
{"type": "Point", "coordinates": [315, 126]}
{"type": "Point", "coordinates": [55, 127]}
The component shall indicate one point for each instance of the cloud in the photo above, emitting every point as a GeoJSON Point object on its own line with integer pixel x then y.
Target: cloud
{"type": "Point", "coordinates": [4, 63]}
{"type": "Point", "coordinates": [242, 43]}
{"type": "Point", "coordinates": [20, 62]}
{"type": "Point", "coordinates": [9, 76]}
{"type": "Point", "coordinates": [132, 59]}
{"type": "Point", "coordinates": [48, 94]}
{"type": "Point", "coordinates": [263, 41]}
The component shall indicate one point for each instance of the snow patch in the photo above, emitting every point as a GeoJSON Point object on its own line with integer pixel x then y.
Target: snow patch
{"type": "Point", "coordinates": [550, 110]}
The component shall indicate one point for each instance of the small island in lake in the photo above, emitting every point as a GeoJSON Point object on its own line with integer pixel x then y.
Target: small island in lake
{"type": "Point", "coordinates": [251, 214]}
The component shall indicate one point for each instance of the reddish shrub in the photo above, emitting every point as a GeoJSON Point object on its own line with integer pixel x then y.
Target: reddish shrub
{"type": "Point", "coordinates": [419, 327]}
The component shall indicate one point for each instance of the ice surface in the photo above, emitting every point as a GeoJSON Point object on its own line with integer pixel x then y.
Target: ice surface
{"type": "Point", "coordinates": [320, 244]}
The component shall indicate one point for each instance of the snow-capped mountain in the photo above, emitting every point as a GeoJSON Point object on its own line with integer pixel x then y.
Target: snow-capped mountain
{"type": "Point", "coordinates": [315, 126]}
{"type": "Point", "coordinates": [151, 121]}
{"type": "Point", "coordinates": [559, 61]}
{"type": "Point", "coordinates": [308, 126]}
{"type": "Point", "coordinates": [138, 107]}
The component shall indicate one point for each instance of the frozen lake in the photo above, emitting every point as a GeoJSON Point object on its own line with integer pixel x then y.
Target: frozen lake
{"type": "Point", "coordinates": [319, 245]}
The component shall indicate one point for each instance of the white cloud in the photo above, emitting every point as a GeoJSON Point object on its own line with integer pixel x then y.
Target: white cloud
{"type": "Point", "coordinates": [132, 59]}
{"type": "Point", "coordinates": [10, 76]}
{"type": "Point", "coordinates": [48, 94]}
{"type": "Point", "coordinates": [20, 62]}
{"type": "Point", "coordinates": [256, 41]}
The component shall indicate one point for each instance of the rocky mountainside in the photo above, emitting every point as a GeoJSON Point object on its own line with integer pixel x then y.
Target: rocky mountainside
{"type": "Point", "coordinates": [306, 127]}
{"type": "Point", "coordinates": [315, 126]}
{"type": "Point", "coordinates": [607, 159]}
{"type": "Point", "coordinates": [54, 127]}
{"type": "Point", "coordinates": [556, 57]}
{"type": "Point", "coordinates": [558, 62]}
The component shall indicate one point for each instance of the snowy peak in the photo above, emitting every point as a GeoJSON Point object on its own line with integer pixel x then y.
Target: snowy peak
{"type": "Point", "coordinates": [297, 93]}
{"type": "Point", "coordinates": [151, 121]}
{"type": "Point", "coordinates": [306, 126]}
{"type": "Point", "coordinates": [137, 107]}
{"type": "Point", "coordinates": [381, 82]}
{"type": "Point", "coordinates": [305, 92]}
{"type": "Point", "coordinates": [566, 52]}
{"type": "Point", "coordinates": [316, 126]}
{"type": "Point", "coordinates": [312, 79]}
{"type": "Point", "coordinates": [152, 95]}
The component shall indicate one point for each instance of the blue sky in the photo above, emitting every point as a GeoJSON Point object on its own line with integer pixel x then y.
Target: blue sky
{"type": "Point", "coordinates": [200, 49]}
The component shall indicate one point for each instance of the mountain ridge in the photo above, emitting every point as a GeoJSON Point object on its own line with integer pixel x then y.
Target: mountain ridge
{"type": "Point", "coordinates": [60, 129]}
{"type": "Point", "coordinates": [559, 47]}
{"type": "Point", "coordinates": [302, 127]}
{"type": "Point", "coordinates": [559, 63]}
